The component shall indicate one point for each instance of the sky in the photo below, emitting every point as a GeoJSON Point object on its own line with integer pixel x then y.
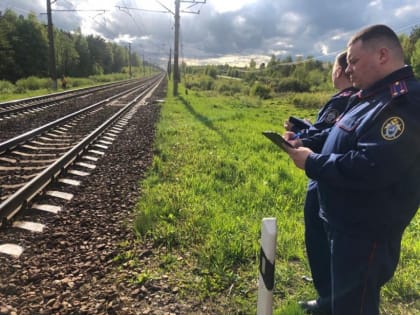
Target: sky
{"type": "Point", "coordinates": [226, 31]}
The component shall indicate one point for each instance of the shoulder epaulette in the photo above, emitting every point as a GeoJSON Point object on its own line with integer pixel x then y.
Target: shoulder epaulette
{"type": "Point", "coordinates": [398, 88]}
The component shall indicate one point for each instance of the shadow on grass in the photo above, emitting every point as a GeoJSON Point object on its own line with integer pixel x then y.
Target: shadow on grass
{"type": "Point", "coordinates": [205, 120]}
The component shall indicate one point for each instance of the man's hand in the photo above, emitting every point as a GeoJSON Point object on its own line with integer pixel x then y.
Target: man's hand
{"type": "Point", "coordinates": [288, 125]}
{"type": "Point", "coordinates": [299, 156]}
{"type": "Point", "coordinates": [293, 140]}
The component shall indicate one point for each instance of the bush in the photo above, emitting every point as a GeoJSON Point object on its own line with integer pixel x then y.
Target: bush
{"type": "Point", "coordinates": [308, 100]}
{"type": "Point", "coordinates": [76, 82]}
{"type": "Point", "coordinates": [33, 83]}
{"type": "Point", "coordinates": [6, 87]}
{"type": "Point", "coordinates": [229, 87]}
{"type": "Point", "coordinates": [260, 90]}
{"type": "Point", "coordinates": [207, 84]}
{"type": "Point", "coordinates": [291, 85]}
{"type": "Point", "coordinates": [200, 83]}
{"type": "Point", "coordinates": [105, 78]}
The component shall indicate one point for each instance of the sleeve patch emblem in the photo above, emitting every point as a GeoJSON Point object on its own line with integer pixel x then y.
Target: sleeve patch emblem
{"type": "Point", "coordinates": [392, 128]}
{"type": "Point", "coordinates": [331, 116]}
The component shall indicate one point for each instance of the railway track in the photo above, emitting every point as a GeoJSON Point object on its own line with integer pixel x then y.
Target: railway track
{"type": "Point", "coordinates": [60, 152]}
{"type": "Point", "coordinates": [34, 112]}
{"type": "Point", "coordinates": [34, 104]}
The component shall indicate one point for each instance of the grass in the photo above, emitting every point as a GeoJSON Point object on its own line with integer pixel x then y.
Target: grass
{"type": "Point", "coordinates": [214, 178]}
{"type": "Point", "coordinates": [34, 86]}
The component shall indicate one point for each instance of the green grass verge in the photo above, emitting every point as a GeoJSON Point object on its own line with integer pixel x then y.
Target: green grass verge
{"type": "Point", "coordinates": [34, 86]}
{"type": "Point", "coordinates": [214, 177]}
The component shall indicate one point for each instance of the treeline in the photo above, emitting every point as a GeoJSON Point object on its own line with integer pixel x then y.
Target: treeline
{"type": "Point", "coordinates": [24, 51]}
{"type": "Point", "coordinates": [277, 76]}
{"type": "Point", "coordinates": [283, 74]}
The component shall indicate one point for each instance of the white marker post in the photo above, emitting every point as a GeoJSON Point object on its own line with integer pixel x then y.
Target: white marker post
{"type": "Point", "coordinates": [267, 258]}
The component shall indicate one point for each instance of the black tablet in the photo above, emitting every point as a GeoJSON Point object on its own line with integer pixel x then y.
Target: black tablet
{"type": "Point", "coordinates": [299, 123]}
{"type": "Point", "coordinates": [278, 139]}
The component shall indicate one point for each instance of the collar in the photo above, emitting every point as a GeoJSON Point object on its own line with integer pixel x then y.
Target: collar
{"type": "Point", "coordinates": [346, 92]}
{"type": "Point", "coordinates": [402, 74]}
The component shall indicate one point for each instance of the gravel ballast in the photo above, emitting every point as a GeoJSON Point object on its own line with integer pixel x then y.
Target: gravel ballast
{"type": "Point", "coordinates": [70, 268]}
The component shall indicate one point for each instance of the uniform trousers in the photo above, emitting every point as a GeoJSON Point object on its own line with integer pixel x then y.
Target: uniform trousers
{"type": "Point", "coordinates": [359, 268]}
{"type": "Point", "coordinates": [317, 246]}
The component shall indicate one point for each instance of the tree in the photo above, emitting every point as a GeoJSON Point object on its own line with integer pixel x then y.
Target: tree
{"type": "Point", "coordinates": [83, 67]}
{"type": "Point", "coordinates": [31, 47]}
{"type": "Point", "coordinates": [135, 60]}
{"type": "Point", "coordinates": [98, 50]}
{"type": "Point", "coordinates": [67, 55]}
{"type": "Point", "coordinates": [315, 77]}
{"type": "Point", "coordinates": [7, 54]}
{"type": "Point", "coordinates": [415, 35]}
{"type": "Point", "coordinates": [300, 69]}
{"type": "Point", "coordinates": [252, 64]}
{"type": "Point", "coordinates": [415, 59]}
{"type": "Point", "coordinates": [120, 58]}
{"type": "Point", "coordinates": [211, 71]}
{"type": "Point", "coordinates": [272, 63]}
{"type": "Point", "coordinates": [285, 67]}
{"type": "Point", "coordinates": [24, 50]}
{"type": "Point", "coordinates": [108, 61]}
{"type": "Point", "coordinates": [406, 45]}
{"type": "Point", "coordinates": [311, 64]}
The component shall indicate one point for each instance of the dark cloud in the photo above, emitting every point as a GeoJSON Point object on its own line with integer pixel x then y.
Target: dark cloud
{"type": "Point", "coordinates": [265, 27]}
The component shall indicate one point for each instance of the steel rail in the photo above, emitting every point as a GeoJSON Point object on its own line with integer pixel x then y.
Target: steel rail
{"type": "Point", "coordinates": [20, 199]}
{"type": "Point", "coordinates": [65, 95]}
{"type": "Point", "coordinates": [12, 143]}
{"type": "Point", "coordinates": [41, 97]}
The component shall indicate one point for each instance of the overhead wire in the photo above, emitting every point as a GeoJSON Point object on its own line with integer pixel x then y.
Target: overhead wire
{"type": "Point", "coordinates": [126, 9]}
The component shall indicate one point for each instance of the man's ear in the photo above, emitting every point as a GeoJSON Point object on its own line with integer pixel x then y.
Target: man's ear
{"type": "Point", "coordinates": [383, 55]}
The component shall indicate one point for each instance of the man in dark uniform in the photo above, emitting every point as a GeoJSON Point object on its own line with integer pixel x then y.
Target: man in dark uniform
{"type": "Point", "coordinates": [329, 113]}
{"type": "Point", "coordinates": [317, 247]}
{"type": "Point", "coordinates": [368, 173]}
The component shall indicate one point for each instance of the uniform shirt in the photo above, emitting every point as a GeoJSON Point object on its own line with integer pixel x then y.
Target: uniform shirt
{"type": "Point", "coordinates": [368, 171]}
{"type": "Point", "coordinates": [328, 115]}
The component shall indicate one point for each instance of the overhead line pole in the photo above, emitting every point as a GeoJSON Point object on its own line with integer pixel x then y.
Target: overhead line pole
{"type": "Point", "coordinates": [176, 75]}
{"type": "Point", "coordinates": [51, 51]}
{"type": "Point", "coordinates": [170, 63]}
{"type": "Point", "coordinates": [129, 59]}
{"type": "Point", "coordinates": [176, 47]}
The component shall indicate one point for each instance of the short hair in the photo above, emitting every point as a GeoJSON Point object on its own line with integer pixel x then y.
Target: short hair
{"type": "Point", "coordinates": [342, 59]}
{"type": "Point", "coordinates": [379, 33]}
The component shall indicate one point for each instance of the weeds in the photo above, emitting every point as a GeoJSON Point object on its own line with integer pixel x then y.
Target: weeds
{"type": "Point", "coordinates": [214, 177]}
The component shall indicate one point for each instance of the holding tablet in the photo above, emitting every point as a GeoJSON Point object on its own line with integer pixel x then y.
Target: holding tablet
{"type": "Point", "coordinates": [278, 139]}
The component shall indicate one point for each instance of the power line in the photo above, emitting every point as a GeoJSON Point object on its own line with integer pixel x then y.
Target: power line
{"type": "Point", "coordinates": [78, 10]}
{"type": "Point", "coordinates": [167, 9]}
{"type": "Point", "coordinates": [193, 4]}
{"type": "Point", "coordinates": [129, 14]}
{"type": "Point", "coordinates": [144, 10]}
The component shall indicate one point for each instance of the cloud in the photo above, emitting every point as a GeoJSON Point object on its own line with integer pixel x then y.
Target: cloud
{"type": "Point", "coordinates": [232, 30]}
